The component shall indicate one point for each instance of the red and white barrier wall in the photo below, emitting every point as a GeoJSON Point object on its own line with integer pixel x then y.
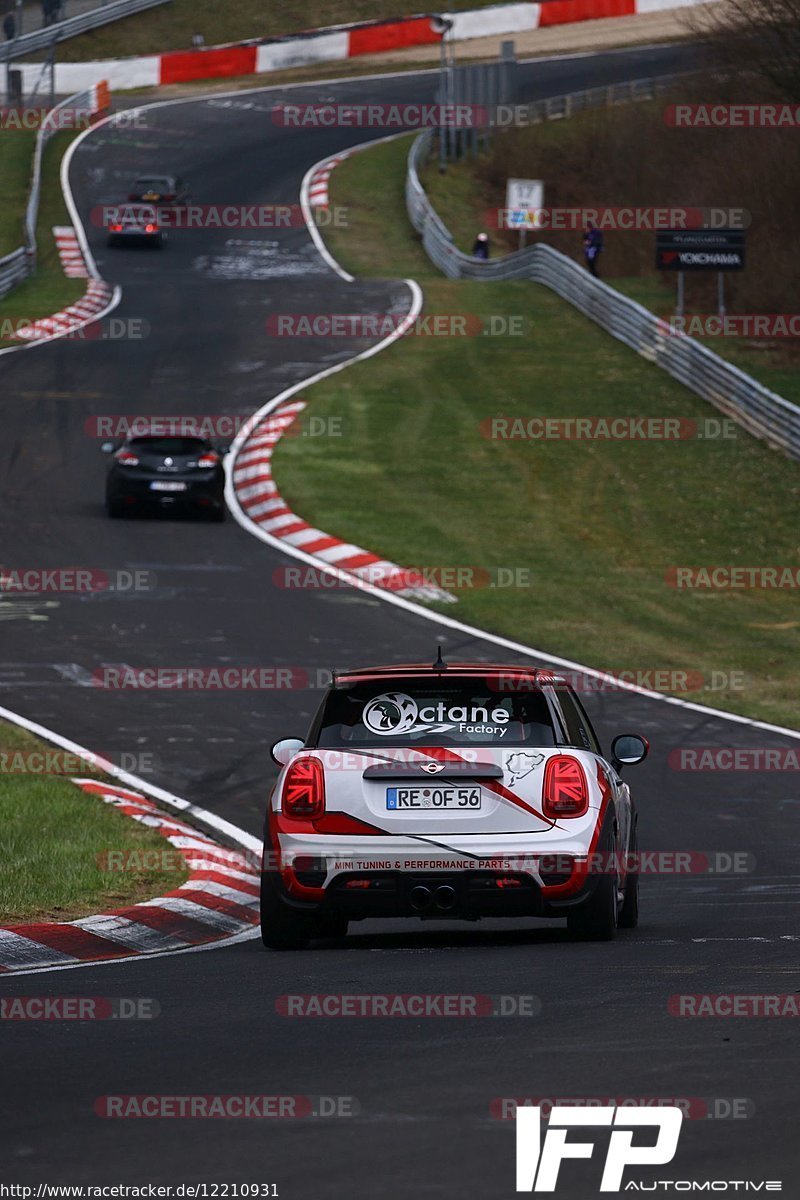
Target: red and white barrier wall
{"type": "Point", "coordinates": [336, 43]}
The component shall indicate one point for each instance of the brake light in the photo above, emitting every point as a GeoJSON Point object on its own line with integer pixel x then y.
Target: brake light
{"type": "Point", "coordinates": [116, 228]}
{"type": "Point", "coordinates": [566, 791]}
{"type": "Point", "coordinates": [304, 789]}
{"type": "Point", "coordinates": [208, 460]}
{"type": "Point", "coordinates": [126, 458]}
{"type": "Point", "coordinates": [150, 228]}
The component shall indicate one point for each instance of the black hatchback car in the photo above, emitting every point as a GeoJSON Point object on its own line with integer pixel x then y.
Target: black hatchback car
{"type": "Point", "coordinates": [154, 472]}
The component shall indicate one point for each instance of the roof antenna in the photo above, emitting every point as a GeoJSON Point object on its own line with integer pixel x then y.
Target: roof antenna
{"type": "Point", "coordinates": [440, 664]}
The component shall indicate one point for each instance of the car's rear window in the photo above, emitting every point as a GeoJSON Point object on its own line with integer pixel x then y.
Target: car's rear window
{"type": "Point", "coordinates": [156, 183]}
{"type": "Point", "coordinates": [446, 712]}
{"type": "Point", "coordinates": [169, 445]}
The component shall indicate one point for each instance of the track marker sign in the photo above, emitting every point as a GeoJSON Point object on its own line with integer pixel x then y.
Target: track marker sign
{"type": "Point", "coordinates": [524, 202]}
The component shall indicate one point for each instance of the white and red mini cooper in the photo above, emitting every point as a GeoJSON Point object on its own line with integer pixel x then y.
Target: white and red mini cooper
{"type": "Point", "coordinates": [461, 790]}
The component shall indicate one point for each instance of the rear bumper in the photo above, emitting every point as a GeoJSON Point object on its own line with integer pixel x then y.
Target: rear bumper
{"type": "Point", "coordinates": [466, 896]}
{"type": "Point", "coordinates": [135, 237]}
{"type": "Point", "coordinates": [136, 491]}
{"type": "Point", "coordinates": [528, 875]}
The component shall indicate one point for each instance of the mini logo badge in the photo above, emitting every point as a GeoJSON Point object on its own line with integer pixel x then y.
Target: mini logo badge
{"type": "Point", "coordinates": [433, 768]}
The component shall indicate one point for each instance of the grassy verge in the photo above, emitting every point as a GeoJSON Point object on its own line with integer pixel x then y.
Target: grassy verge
{"type": "Point", "coordinates": [596, 524]}
{"type": "Point", "coordinates": [172, 26]}
{"type": "Point", "coordinates": [16, 155]}
{"type": "Point", "coordinates": [55, 837]}
{"type": "Point", "coordinates": [49, 290]}
{"type": "Point", "coordinates": [465, 199]}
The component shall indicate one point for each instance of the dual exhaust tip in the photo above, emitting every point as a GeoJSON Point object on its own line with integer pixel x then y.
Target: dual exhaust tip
{"type": "Point", "coordinates": [425, 899]}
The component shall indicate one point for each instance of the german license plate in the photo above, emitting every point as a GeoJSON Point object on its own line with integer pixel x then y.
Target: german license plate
{"type": "Point", "coordinates": [400, 799]}
{"type": "Point", "coordinates": [163, 485]}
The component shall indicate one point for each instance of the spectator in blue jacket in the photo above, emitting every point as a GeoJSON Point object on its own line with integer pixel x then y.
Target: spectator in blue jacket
{"type": "Point", "coordinates": [592, 248]}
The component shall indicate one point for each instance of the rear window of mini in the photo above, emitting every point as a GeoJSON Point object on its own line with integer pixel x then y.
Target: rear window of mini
{"type": "Point", "coordinates": [441, 712]}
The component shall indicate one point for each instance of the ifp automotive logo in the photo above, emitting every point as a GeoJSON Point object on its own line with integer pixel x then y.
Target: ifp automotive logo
{"type": "Point", "coordinates": [538, 1162]}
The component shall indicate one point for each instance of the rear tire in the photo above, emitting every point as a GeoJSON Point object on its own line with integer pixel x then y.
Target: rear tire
{"type": "Point", "coordinates": [597, 918]}
{"type": "Point", "coordinates": [114, 508]}
{"type": "Point", "coordinates": [281, 927]}
{"type": "Point", "coordinates": [629, 913]}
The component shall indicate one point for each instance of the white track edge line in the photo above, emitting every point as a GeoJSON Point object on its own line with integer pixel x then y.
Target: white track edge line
{"type": "Point", "coordinates": [237, 835]}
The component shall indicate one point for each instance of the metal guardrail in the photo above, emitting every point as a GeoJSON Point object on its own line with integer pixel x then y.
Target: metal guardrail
{"type": "Point", "coordinates": [13, 269]}
{"type": "Point", "coordinates": [760, 411]}
{"type": "Point", "coordinates": [50, 35]}
{"type": "Point", "coordinates": [21, 263]}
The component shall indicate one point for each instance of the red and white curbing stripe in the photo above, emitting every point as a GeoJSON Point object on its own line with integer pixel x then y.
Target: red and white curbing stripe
{"type": "Point", "coordinates": [69, 251]}
{"type": "Point", "coordinates": [318, 184]}
{"type": "Point", "coordinates": [219, 899]}
{"type": "Point", "coordinates": [337, 42]}
{"type": "Point", "coordinates": [95, 299]}
{"type": "Point", "coordinates": [257, 493]}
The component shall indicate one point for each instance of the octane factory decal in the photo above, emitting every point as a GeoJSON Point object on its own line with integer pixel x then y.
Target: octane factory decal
{"type": "Point", "coordinates": [520, 765]}
{"type": "Point", "coordinates": [395, 713]}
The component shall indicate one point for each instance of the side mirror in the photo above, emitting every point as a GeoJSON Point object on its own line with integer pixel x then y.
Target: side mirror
{"type": "Point", "coordinates": [284, 751]}
{"type": "Point", "coordinates": [629, 749]}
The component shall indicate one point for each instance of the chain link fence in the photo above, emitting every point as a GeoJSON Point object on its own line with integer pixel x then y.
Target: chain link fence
{"type": "Point", "coordinates": [760, 411]}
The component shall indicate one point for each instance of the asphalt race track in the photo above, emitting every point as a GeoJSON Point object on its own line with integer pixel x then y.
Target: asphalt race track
{"type": "Point", "coordinates": [423, 1087]}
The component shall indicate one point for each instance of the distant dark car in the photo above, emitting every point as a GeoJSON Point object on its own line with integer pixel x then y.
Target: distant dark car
{"type": "Point", "coordinates": [150, 473]}
{"type": "Point", "coordinates": [137, 223]}
{"type": "Point", "coordinates": [159, 189]}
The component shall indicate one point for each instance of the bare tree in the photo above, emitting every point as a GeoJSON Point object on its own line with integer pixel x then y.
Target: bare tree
{"type": "Point", "coordinates": [756, 36]}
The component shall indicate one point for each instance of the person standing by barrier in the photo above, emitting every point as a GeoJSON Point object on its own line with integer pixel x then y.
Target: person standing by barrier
{"type": "Point", "coordinates": [481, 247]}
{"type": "Point", "coordinates": [10, 26]}
{"type": "Point", "coordinates": [592, 248]}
